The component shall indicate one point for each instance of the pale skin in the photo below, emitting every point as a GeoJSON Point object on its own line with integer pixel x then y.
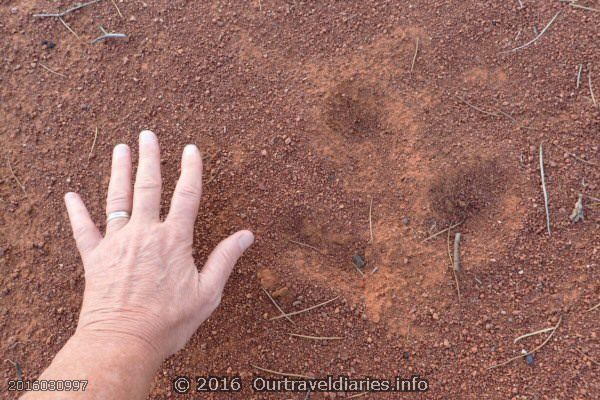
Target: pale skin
{"type": "Point", "coordinates": [144, 296]}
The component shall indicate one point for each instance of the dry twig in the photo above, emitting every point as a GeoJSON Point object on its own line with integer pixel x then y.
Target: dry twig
{"type": "Point", "coordinates": [288, 374]}
{"type": "Point", "coordinates": [17, 367]}
{"type": "Point", "coordinates": [539, 35]}
{"type": "Point", "coordinates": [532, 351]}
{"type": "Point", "coordinates": [371, 219]}
{"type": "Point", "coordinates": [457, 266]}
{"type": "Point", "coordinates": [306, 309]}
{"type": "Point", "coordinates": [593, 308]}
{"type": "Point", "coordinates": [317, 337]}
{"type": "Point", "coordinates": [15, 176]}
{"type": "Point", "coordinates": [277, 306]}
{"type": "Point", "coordinates": [544, 190]}
{"type": "Point", "coordinates": [108, 35]}
{"type": "Point", "coordinates": [456, 262]}
{"type": "Point", "coordinates": [62, 14]}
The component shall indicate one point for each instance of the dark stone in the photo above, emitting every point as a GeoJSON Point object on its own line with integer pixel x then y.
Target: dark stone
{"type": "Point", "coordinates": [529, 359]}
{"type": "Point", "coordinates": [359, 261]}
{"type": "Point", "coordinates": [48, 44]}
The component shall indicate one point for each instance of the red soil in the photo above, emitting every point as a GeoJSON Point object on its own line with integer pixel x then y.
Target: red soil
{"type": "Point", "coordinates": [305, 112]}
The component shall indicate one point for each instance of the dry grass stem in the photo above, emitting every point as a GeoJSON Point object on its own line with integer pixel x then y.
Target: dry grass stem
{"type": "Point", "coordinates": [358, 269]}
{"type": "Point", "coordinates": [575, 5]}
{"type": "Point", "coordinates": [306, 309]}
{"type": "Point", "coordinates": [306, 245]}
{"type": "Point", "coordinates": [533, 334]}
{"type": "Point", "coordinates": [442, 231]}
{"type": "Point", "coordinates": [277, 306]}
{"type": "Point", "coordinates": [357, 395]}
{"type": "Point", "coordinates": [586, 356]}
{"type": "Point", "coordinates": [317, 337]}
{"type": "Point", "coordinates": [52, 71]}
{"type": "Point", "coordinates": [544, 190]}
{"type": "Point", "coordinates": [532, 351]}
{"type": "Point", "coordinates": [539, 35]}
{"type": "Point", "coordinates": [62, 14]}
{"type": "Point", "coordinates": [497, 112]}
{"type": "Point", "coordinates": [12, 172]}
{"type": "Point", "coordinates": [412, 65]}
{"type": "Point", "coordinates": [592, 88]}
{"type": "Point", "coordinates": [575, 156]}
{"type": "Point", "coordinates": [68, 28]}
{"type": "Point", "coordinates": [117, 8]}
{"type": "Point", "coordinates": [481, 110]}
{"type": "Point", "coordinates": [288, 374]}
{"type": "Point", "coordinates": [93, 145]}
{"type": "Point", "coordinates": [593, 308]}
{"type": "Point", "coordinates": [579, 75]}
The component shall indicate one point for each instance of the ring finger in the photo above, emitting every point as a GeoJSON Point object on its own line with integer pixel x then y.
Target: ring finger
{"type": "Point", "coordinates": [119, 197]}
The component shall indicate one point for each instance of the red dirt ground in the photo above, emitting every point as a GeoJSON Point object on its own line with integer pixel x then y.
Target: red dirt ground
{"type": "Point", "coordinates": [306, 112]}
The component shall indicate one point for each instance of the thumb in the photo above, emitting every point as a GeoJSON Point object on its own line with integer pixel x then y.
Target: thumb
{"type": "Point", "coordinates": [221, 261]}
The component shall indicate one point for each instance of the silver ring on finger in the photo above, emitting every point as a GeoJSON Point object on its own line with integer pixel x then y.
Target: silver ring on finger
{"type": "Point", "coordinates": [116, 215]}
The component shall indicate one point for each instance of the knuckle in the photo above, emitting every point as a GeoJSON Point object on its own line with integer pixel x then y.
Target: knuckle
{"type": "Point", "coordinates": [79, 233]}
{"type": "Point", "coordinates": [146, 184]}
{"type": "Point", "coordinates": [117, 200]}
{"type": "Point", "coordinates": [180, 237]}
{"type": "Point", "coordinates": [227, 256]}
{"type": "Point", "coordinates": [190, 192]}
{"type": "Point", "coordinates": [213, 298]}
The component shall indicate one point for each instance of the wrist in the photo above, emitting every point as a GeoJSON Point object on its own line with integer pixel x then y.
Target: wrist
{"type": "Point", "coordinates": [107, 345]}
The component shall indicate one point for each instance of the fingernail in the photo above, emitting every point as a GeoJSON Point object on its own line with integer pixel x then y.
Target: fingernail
{"type": "Point", "coordinates": [70, 195]}
{"type": "Point", "coordinates": [245, 240]}
{"type": "Point", "coordinates": [147, 137]}
{"type": "Point", "coordinates": [120, 150]}
{"type": "Point", "coordinates": [190, 149]}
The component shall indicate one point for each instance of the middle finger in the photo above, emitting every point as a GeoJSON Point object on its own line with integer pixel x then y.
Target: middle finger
{"type": "Point", "coordinates": [146, 195]}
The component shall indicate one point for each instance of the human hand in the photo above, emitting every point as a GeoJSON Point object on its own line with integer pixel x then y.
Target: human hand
{"type": "Point", "coordinates": [141, 284]}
